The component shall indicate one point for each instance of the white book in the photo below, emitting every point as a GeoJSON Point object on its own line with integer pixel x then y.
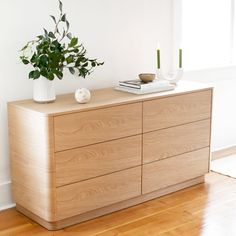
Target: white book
{"type": "Point", "coordinates": [138, 84]}
{"type": "Point", "coordinates": [146, 90]}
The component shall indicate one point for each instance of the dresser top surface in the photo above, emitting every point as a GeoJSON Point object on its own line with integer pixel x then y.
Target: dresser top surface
{"type": "Point", "coordinates": [101, 98]}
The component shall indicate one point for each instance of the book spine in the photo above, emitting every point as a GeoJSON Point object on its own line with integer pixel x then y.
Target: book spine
{"type": "Point", "coordinates": [145, 91]}
{"type": "Point", "coordinates": [129, 85]}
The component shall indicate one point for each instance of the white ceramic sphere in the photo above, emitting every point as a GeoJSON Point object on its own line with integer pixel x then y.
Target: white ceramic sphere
{"type": "Point", "coordinates": [82, 95]}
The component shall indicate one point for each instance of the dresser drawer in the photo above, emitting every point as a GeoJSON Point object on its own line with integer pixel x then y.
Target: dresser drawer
{"type": "Point", "coordinates": [98, 159]}
{"type": "Point", "coordinates": [176, 110]}
{"type": "Point", "coordinates": [92, 194]}
{"type": "Point", "coordinates": [161, 174]}
{"type": "Point", "coordinates": [84, 128]}
{"type": "Point", "coordinates": [177, 140]}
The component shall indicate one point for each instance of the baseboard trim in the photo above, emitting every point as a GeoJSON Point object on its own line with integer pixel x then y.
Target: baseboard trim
{"type": "Point", "coordinates": [6, 198]}
{"type": "Point", "coordinates": [9, 206]}
{"type": "Point", "coordinates": [221, 153]}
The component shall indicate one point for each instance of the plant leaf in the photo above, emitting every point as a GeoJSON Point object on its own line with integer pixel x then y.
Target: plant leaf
{"type": "Point", "coordinates": [63, 18]}
{"type": "Point", "coordinates": [33, 58]}
{"type": "Point", "coordinates": [24, 47]}
{"type": "Point", "coordinates": [44, 72]}
{"type": "Point", "coordinates": [50, 76]}
{"type": "Point", "coordinates": [54, 19]}
{"type": "Point", "coordinates": [85, 64]}
{"type": "Point", "coordinates": [36, 74]}
{"type": "Point", "coordinates": [58, 73]}
{"type": "Point", "coordinates": [31, 74]}
{"type": "Point", "coordinates": [64, 33]}
{"type": "Point", "coordinates": [93, 63]}
{"type": "Point", "coordinates": [60, 5]}
{"type": "Point", "coordinates": [45, 31]}
{"type": "Point", "coordinates": [69, 59]}
{"type": "Point", "coordinates": [51, 35]}
{"type": "Point", "coordinates": [25, 61]}
{"type": "Point", "coordinates": [57, 30]}
{"type": "Point", "coordinates": [72, 70]}
{"type": "Point", "coordinates": [67, 25]}
{"type": "Point", "coordinates": [69, 36]}
{"type": "Point", "coordinates": [40, 37]}
{"type": "Point", "coordinates": [43, 60]}
{"type": "Point", "coordinates": [73, 42]}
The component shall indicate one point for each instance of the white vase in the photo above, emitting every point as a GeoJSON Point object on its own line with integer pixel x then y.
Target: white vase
{"type": "Point", "coordinates": [173, 76]}
{"type": "Point", "coordinates": [43, 90]}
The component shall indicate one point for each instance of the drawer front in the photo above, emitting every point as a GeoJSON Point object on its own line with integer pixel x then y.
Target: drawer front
{"type": "Point", "coordinates": [99, 159]}
{"type": "Point", "coordinates": [161, 174]}
{"type": "Point", "coordinates": [84, 128]}
{"type": "Point", "coordinates": [176, 110]}
{"type": "Point", "coordinates": [92, 194]}
{"type": "Point", "coordinates": [176, 140]}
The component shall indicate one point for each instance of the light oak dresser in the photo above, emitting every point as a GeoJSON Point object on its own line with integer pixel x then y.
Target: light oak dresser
{"type": "Point", "coordinates": [72, 162]}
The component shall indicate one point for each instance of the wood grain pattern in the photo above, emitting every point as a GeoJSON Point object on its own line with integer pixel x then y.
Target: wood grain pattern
{"type": "Point", "coordinates": [32, 168]}
{"type": "Point", "coordinates": [99, 159]}
{"type": "Point", "coordinates": [62, 154]}
{"type": "Point", "coordinates": [102, 191]}
{"type": "Point", "coordinates": [173, 141]}
{"type": "Point", "coordinates": [174, 170]}
{"type": "Point", "coordinates": [101, 98]}
{"type": "Point", "coordinates": [172, 111]}
{"type": "Point", "coordinates": [80, 129]}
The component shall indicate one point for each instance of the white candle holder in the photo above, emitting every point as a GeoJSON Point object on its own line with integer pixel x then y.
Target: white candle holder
{"type": "Point", "coordinates": [173, 77]}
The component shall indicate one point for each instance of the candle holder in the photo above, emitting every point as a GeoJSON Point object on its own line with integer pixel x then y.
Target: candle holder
{"type": "Point", "coordinates": [173, 77]}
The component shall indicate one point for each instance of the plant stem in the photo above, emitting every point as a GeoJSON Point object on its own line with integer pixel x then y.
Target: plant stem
{"type": "Point", "coordinates": [57, 24]}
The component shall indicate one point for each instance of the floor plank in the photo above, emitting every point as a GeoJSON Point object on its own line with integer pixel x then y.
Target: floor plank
{"type": "Point", "coordinates": [207, 209]}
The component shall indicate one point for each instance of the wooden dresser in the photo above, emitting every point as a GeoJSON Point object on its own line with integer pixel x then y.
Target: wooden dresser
{"type": "Point", "coordinates": [72, 162]}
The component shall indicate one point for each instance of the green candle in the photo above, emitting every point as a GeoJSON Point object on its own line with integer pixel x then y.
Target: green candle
{"type": "Point", "coordinates": [180, 58]}
{"type": "Point", "coordinates": [158, 59]}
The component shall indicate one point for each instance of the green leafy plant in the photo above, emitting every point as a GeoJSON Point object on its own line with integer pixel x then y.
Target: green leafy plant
{"type": "Point", "coordinates": [54, 51]}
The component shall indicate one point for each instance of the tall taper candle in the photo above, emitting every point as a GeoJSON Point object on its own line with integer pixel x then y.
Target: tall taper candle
{"type": "Point", "coordinates": [158, 58]}
{"type": "Point", "coordinates": [180, 58]}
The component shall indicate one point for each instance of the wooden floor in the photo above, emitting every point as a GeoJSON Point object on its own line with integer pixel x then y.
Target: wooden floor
{"type": "Point", "coordinates": [203, 210]}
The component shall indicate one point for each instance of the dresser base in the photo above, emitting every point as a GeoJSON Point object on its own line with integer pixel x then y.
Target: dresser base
{"type": "Point", "coordinates": [109, 209]}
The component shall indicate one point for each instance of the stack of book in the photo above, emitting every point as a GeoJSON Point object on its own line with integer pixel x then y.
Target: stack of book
{"type": "Point", "coordinates": [139, 87]}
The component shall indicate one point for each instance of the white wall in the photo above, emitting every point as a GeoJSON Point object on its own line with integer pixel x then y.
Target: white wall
{"type": "Point", "coordinates": [224, 115]}
{"type": "Point", "coordinates": [224, 82]}
{"type": "Point", "coordinates": [123, 33]}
